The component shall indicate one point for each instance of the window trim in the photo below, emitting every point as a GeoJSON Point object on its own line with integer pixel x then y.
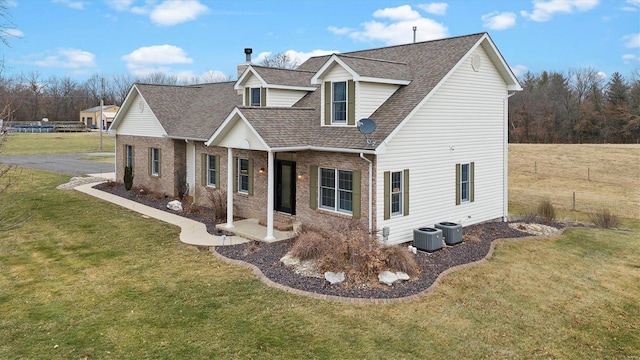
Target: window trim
{"type": "Point", "coordinates": [241, 175]}
{"type": "Point", "coordinates": [468, 184]}
{"type": "Point", "coordinates": [155, 161]}
{"type": "Point", "coordinates": [465, 184]}
{"type": "Point", "coordinates": [211, 166]}
{"type": "Point", "coordinates": [345, 101]}
{"type": "Point", "coordinates": [399, 193]}
{"type": "Point", "coordinates": [252, 101]}
{"type": "Point", "coordinates": [128, 156]}
{"type": "Point", "coordinates": [336, 190]}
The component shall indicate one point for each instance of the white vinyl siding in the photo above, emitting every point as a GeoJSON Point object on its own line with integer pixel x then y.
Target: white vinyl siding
{"type": "Point", "coordinates": [371, 96]}
{"type": "Point", "coordinates": [140, 123]}
{"type": "Point", "coordinates": [462, 120]}
{"type": "Point", "coordinates": [284, 98]}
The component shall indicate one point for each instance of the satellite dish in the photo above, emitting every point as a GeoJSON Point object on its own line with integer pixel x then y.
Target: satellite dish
{"type": "Point", "coordinates": [366, 126]}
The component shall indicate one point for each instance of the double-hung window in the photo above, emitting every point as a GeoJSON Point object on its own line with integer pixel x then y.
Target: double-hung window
{"type": "Point", "coordinates": [396, 193]}
{"type": "Point", "coordinates": [339, 102]}
{"type": "Point", "coordinates": [243, 176]}
{"type": "Point", "coordinates": [465, 188]}
{"type": "Point", "coordinates": [464, 183]}
{"type": "Point", "coordinates": [155, 161]}
{"type": "Point", "coordinates": [255, 97]}
{"type": "Point", "coordinates": [211, 170]}
{"type": "Point", "coordinates": [128, 156]}
{"type": "Point", "coordinates": [336, 190]}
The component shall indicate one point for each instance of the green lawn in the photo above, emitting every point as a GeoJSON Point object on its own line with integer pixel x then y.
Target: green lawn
{"type": "Point", "coordinates": [84, 278]}
{"type": "Point", "coordinates": [57, 143]}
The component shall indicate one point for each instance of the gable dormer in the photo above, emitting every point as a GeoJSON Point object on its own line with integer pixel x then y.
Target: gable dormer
{"type": "Point", "coordinates": [354, 87]}
{"type": "Point", "coordinates": [274, 87]}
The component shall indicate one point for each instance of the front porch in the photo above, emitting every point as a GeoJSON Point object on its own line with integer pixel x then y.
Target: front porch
{"type": "Point", "coordinates": [252, 230]}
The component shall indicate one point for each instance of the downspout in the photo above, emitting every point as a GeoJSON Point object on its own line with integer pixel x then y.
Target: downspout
{"type": "Point", "coordinates": [370, 192]}
{"type": "Point", "coordinates": [505, 158]}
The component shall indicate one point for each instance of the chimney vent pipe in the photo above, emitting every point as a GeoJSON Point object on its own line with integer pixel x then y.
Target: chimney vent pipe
{"type": "Point", "coordinates": [247, 52]}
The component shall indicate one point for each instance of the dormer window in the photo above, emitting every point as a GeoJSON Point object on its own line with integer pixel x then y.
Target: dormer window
{"type": "Point", "coordinates": [339, 102]}
{"type": "Point", "coordinates": [255, 97]}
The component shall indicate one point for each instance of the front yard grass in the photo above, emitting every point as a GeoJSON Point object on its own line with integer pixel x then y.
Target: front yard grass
{"type": "Point", "coordinates": [57, 143]}
{"type": "Point", "coordinates": [84, 278]}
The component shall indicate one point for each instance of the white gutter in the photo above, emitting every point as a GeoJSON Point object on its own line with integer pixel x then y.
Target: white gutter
{"type": "Point", "coordinates": [505, 158]}
{"type": "Point", "coordinates": [370, 192]}
{"type": "Point", "coordinates": [318, 148]}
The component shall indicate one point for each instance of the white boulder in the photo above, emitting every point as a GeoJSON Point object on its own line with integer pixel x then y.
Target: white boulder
{"type": "Point", "coordinates": [388, 277]}
{"type": "Point", "coordinates": [175, 205]}
{"type": "Point", "coordinates": [333, 277]}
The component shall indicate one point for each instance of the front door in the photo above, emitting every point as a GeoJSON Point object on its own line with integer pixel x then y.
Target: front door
{"type": "Point", "coordinates": [285, 183]}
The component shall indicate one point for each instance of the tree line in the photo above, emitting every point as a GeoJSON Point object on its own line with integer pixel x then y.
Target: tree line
{"type": "Point", "coordinates": [553, 107]}
{"type": "Point", "coordinates": [31, 97]}
{"type": "Point", "coordinates": [576, 107]}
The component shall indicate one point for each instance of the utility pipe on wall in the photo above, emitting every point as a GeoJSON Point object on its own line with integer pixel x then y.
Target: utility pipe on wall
{"type": "Point", "coordinates": [370, 192]}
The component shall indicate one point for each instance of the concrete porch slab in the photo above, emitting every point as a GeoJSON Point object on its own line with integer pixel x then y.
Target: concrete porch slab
{"type": "Point", "coordinates": [251, 229]}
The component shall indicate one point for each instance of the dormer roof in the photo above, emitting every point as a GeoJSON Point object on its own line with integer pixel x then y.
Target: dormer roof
{"type": "Point", "coordinates": [367, 69]}
{"type": "Point", "coordinates": [277, 78]}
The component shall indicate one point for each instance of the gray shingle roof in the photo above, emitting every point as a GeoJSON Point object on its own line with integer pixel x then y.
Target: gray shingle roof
{"type": "Point", "coordinates": [287, 77]}
{"type": "Point", "coordinates": [193, 112]}
{"type": "Point", "coordinates": [197, 111]}
{"type": "Point", "coordinates": [376, 68]}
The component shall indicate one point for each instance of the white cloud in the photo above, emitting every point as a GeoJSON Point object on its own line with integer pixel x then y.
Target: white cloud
{"type": "Point", "coordinates": [150, 59]}
{"type": "Point", "coordinates": [635, 5]}
{"type": "Point", "coordinates": [400, 13]}
{"type": "Point", "coordinates": [633, 40]}
{"type": "Point", "coordinates": [173, 12]}
{"type": "Point", "coordinates": [499, 21]}
{"type": "Point", "coordinates": [395, 26]}
{"type": "Point", "coordinates": [339, 31]}
{"type": "Point", "coordinates": [630, 59]}
{"type": "Point", "coordinates": [602, 75]}
{"type": "Point", "coordinates": [544, 10]}
{"type": "Point", "coordinates": [68, 59]}
{"type": "Point", "coordinates": [158, 54]}
{"type": "Point", "coordinates": [519, 70]}
{"type": "Point", "coordinates": [119, 5]}
{"type": "Point", "coordinates": [13, 33]}
{"type": "Point", "coordinates": [434, 8]}
{"type": "Point", "coordinates": [211, 76]}
{"type": "Point", "coordinates": [78, 5]}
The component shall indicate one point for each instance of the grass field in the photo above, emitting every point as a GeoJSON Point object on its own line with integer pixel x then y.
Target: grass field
{"type": "Point", "coordinates": [72, 287]}
{"type": "Point", "coordinates": [57, 143]}
{"type": "Point", "coordinates": [599, 175]}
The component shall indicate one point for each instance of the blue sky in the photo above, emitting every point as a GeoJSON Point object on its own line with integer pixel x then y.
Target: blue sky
{"type": "Point", "coordinates": [204, 39]}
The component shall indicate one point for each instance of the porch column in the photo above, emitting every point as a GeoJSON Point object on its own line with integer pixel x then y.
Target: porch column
{"type": "Point", "coordinates": [230, 180]}
{"type": "Point", "coordinates": [270, 195]}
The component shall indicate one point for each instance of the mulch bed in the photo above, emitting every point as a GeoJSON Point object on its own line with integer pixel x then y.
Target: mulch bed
{"type": "Point", "coordinates": [267, 256]}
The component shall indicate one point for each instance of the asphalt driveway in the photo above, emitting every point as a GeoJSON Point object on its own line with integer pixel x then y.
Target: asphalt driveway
{"type": "Point", "coordinates": [61, 163]}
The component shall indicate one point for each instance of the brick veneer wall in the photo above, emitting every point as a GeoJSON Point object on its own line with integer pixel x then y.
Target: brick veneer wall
{"type": "Point", "coordinates": [323, 218]}
{"type": "Point", "coordinates": [173, 157]}
{"type": "Point", "coordinates": [254, 206]}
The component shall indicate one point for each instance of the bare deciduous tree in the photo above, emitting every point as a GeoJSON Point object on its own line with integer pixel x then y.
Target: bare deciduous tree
{"type": "Point", "coordinates": [281, 61]}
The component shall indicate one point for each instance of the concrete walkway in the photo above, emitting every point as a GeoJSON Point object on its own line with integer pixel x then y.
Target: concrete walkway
{"type": "Point", "coordinates": [193, 232]}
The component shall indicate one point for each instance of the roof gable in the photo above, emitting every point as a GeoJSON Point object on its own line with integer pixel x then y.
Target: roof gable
{"type": "Point", "coordinates": [276, 78]}
{"type": "Point", "coordinates": [366, 69]}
